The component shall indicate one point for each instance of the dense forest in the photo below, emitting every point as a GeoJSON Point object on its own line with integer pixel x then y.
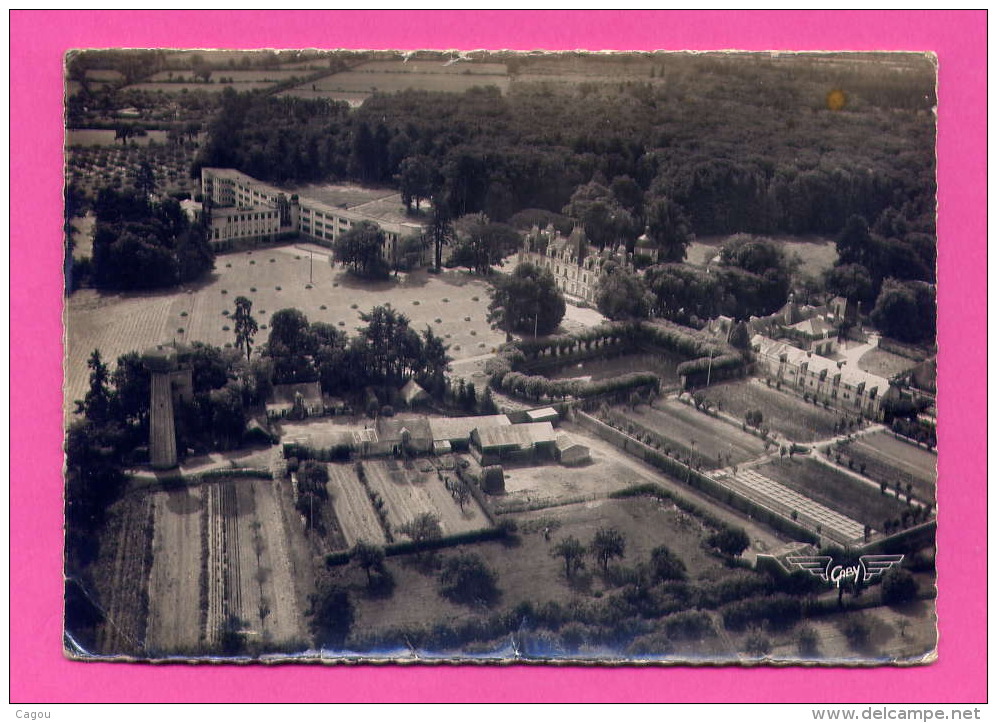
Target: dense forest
{"type": "Point", "coordinates": [741, 144]}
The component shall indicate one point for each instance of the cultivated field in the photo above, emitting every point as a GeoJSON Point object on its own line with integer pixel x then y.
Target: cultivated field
{"type": "Point", "coordinates": [356, 517]}
{"type": "Point", "coordinates": [717, 442]}
{"type": "Point", "coordinates": [453, 304]}
{"type": "Point", "coordinates": [390, 76]}
{"type": "Point", "coordinates": [891, 460]}
{"type": "Point", "coordinates": [836, 490]}
{"type": "Point", "coordinates": [408, 492]}
{"type": "Point", "coordinates": [781, 412]}
{"type": "Point", "coordinates": [221, 556]}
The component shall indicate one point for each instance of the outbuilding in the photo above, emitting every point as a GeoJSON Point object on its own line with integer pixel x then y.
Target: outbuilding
{"type": "Point", "coordinates": [570, 452]}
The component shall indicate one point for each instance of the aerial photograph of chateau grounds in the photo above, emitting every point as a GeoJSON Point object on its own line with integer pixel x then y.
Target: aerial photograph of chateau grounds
{"type": "Point", "coordinates": [500, 357]}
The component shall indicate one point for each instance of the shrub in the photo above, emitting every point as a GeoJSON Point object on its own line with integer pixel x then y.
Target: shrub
{"type": "Point", "coordinates": [898, 587]}
{"type": "Point", "coordinates": [757, 645]}
{"type": "Point", "coordinates": [666, 565]}
{"type": "Point", "coordinates": [466, 579]}
{"type": "Point", "coordinates": [808, 642]}
{"type": "Point", "coordinates": [730, 540]}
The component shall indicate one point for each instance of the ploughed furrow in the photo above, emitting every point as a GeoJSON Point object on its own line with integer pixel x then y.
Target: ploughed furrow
{"type": "Point", "coordinates": [215, 569]}
{"type": "Point", "coordinates": [124, 593]}
{"type": "Point", "coordinates": [232, 546]}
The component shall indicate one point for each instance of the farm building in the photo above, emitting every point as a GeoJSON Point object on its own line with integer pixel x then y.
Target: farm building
{"type": "Point", "coordinates": [397, 434]}
{"type": "Point", "coordinates": [285, 396]}
{"type": "Point", "coordinates": [547, 414]}
{"type": "Point", "coordinates": [517, 442]}
{"type": "Point", "coordinates": [841, 386]}
{"type": "Point", "coordinates": [570, 452]}
{"type": "Point", "coordinates": [457, 430]}
{"type": "Point", "coordinates": [412, 394]}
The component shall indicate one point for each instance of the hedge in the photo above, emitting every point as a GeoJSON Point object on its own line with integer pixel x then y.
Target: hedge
{"type": "Point", "coordinates": [409, 547]}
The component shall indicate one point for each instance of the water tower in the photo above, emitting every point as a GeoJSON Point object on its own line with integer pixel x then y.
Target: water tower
{"type": "Point", "coordinates": [162, 363]}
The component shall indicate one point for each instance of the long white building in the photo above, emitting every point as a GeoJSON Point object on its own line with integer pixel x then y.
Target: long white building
{"type": "Point", "coordinates": [241, 208]}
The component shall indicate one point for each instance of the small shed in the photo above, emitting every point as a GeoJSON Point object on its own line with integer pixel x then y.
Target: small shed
{"type": "Point", "coordinates": [441, 447]}
{"type": "Point", "coordinates": [570, 452]}
{"type": "Point", "coordinates": [413, 394]}
{"type": "Point", "coordinates": [546, 414]}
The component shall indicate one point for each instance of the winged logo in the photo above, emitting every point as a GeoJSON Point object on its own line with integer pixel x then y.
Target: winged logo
{"type": "Point", "coordinates": [875, 565]}
{"type": "Point", "coordinates": [816, 565]}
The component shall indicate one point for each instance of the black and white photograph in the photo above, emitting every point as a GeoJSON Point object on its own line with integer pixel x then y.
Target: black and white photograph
{"type": "Point", "coordinates": [500, 357]}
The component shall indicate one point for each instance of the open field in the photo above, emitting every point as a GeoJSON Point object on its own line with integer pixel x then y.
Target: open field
{"type": "Point", "coordinates": [390, 76]}
{"type": "Point", "coordinates": [835, 490]}
{"type": "Point", "coordinates": [646, 523]}
{"type": "Point", "coordinates": [454, 304]}
{"type": "Point", "coordinates": [781, 412]}
{"type": "Point", "coordinates": [356, 516]}
{"type": "Point", "coordinates": [105, 137]}
{"type": "Point", "coordinates": [221, 554]}
{"type": "Point", "coordinates": [408, 492]}
{"type": "Point", "coordinates": [891, 460]}
{"type": "Point", "coordinates": [814, 254]}
{"type": "Point", "coordinates": [718, 442]}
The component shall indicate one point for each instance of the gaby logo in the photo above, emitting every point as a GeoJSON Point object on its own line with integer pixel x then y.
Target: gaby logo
{"type": "Point", "coordinates": [868, 568]}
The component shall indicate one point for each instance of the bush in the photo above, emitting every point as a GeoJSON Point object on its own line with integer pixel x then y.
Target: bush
{"type": "Point", "coordinates": [466, 579]}
{"type": "Point", "coordinates": [757, 645]}
{"type": "Point", "coordinates": [666, 565]}
{"type": "Point", "coordinates": [898, 587]}
{"type": "Point", "coordinates": [808, 641]}
{"type": "Point", "coordinates": [730, 540]}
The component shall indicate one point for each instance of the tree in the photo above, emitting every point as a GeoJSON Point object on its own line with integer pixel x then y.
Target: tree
{"type": "Point", "coordinates": [362, 248]}
{"type": "Point", "coordinates": [606, 222]}
{"type": "Point", "coordinates": [332, 617]}
{"type": "Point", "coordinates": [369, 557]}
{"type": "Point", "coordinates": [461, 491]}
{"type": "Point", "coordinates": [527, 300]}
{"type": "Point", "coordinates": [466, 579]}
{"type": "Point", "coordinates": [440, 231]}
{"type": "Point", "coordinates": [417, 179]}
{"type": "Point", "coordinates": [622, 295]}
{"type": "Point", "coordinates": [484, 244]}
{"type": "Point", "coordinates": [905, 310]}
{"type": "Point", "coordinates": [572, 552]}
{"type": "Point", "coordinates": [96, 404]}
{"type": "Point", "coordinates": [730, 540]}
{"type": "Point", "coordinates": [423, 528]}
{"type": "Point", "coordinates": [669, 228]}
{"type": "Point", "coordinates": [607, 544]}
{"type": "Point", "coordinates": [898, 587]}
{"type": "Point", "coordinates": [666, 565]}
{"type": "Point", "coordinates": [851, 281]}
{"type": "Point", "coordinates": [245, 325]}
{"type": "Point", "coordinates": [145, 179]}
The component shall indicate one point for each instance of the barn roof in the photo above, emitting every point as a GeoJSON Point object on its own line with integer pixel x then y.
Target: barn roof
{"type": "Point", "coordinates": [460, 428]}
{"type": "Point", "coordinates": [522, 436]}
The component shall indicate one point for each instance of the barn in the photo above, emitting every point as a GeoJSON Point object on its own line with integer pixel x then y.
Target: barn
{"type": "Point", "coordinates": [517, 442]}
{"type": "Point", "coordinates": [571, 452]}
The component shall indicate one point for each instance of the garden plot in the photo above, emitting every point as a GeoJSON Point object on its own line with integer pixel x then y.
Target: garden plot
{"type": "Point", "coordinates": [836, 490]}
{"type": "Point", "coordinates": [174, 624]}
{"type": "Point", "coordinates": [781, 412]}
{"type": "Point", "coordinates": [221, 554]}
{"type": "Point", "coordinates": [356, 517]}
{"type": "Point", "coordinates": [409, 492]}
{"type": "Point", "coordinates": [717, 442]}
{"type": "Point", "coordinates": [891, 460]}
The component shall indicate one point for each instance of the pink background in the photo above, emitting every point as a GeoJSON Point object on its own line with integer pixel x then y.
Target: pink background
{"type": "Point", "coordinates": [39, 673]}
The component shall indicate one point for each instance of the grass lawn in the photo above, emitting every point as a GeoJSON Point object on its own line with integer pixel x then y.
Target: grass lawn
{"type": "Point", "coordinates": [884, 363]}
{"type": "Point", "coordinates": [453, 304]}
{"type": "Point", "coordinates": [836, 490]}
{"type": "Point", "coordinates": [781, 412]}
{"type": "Point", "coordinates": [892, 460]}
{"type": "Point", "coordinates": [526, 569]}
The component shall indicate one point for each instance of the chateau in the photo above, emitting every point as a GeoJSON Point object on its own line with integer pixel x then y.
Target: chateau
{"type": "Point", "coordinates": [575, 265]}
